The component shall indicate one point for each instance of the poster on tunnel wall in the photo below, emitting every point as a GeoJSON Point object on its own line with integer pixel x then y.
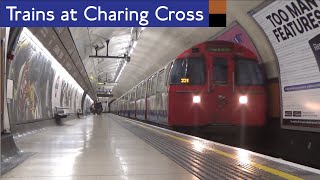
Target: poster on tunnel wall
{"type": "Point", "coordinates": [293, 28]}
{"type": "Point", "coordinates": [55, 91]}
{"type": "Point", "coordinates": [66, 95]}
{"type": "Point", "coordinates": [32, 75]}
{"type": "Point", "coordinates": [235, 33]}
{"type": "Point", "coordinates": [37, 84]}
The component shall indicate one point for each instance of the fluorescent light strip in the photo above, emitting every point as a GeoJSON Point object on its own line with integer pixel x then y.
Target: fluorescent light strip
{"type": "Point", "coordinates": [125, 63]}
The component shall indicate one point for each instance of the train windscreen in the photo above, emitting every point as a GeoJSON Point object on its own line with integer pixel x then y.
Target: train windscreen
{"type": "Point", "coordinates": [248, 72]}
{"type": "Point", "coordinates": [188, 72]}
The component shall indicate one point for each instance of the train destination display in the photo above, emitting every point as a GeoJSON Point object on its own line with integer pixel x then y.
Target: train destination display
{"type": "Point", "coordinates": [293, 29]}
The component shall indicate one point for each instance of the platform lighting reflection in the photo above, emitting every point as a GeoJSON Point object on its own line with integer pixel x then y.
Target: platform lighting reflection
{"type": "Point", "coordinates": [65, 165]}
{"type": "Point", "coordinates": [123, 163]}
{"type": "Point", "coordinates": [243, 157]}
{"type": "Point", "coordinates": [198, 146]}
{"type": "Point", "coordinates": [313, 106]}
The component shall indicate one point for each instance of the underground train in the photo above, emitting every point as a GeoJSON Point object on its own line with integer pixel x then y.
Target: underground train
{"type": "Point", "coordinates": [212, 83]}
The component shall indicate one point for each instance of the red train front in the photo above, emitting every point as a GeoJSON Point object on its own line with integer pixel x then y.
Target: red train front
{"type": "Point", "coordinates": [215, 82]}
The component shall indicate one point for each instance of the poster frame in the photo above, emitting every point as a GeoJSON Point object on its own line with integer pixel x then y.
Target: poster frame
{"type": "Point", "coordinates": [288, 127]}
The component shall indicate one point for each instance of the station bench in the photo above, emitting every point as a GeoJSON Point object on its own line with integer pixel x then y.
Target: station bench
{"type": "Point", "coordinates": [59, 114]}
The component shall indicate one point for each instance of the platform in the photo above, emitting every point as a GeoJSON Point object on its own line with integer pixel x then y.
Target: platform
{"type": "Point", "coordinates": [95, 148]}
{"type": "Point", "coordinates": [113, 147]}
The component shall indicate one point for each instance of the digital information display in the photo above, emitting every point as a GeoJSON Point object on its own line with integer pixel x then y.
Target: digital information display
{"type": "Point", "coordinates": [293, 28]}
{"type": "Point", "coordinates": [219, 49]}
{"type": "Point", "coordinates": [184, 80]}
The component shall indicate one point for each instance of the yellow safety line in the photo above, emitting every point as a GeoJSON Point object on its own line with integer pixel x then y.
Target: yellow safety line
{"type": "Point", "coordinates": [225, 154]}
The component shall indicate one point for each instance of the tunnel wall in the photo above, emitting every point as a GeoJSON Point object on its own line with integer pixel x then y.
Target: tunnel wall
{"type": "Point", "coordinates": [39, 84]}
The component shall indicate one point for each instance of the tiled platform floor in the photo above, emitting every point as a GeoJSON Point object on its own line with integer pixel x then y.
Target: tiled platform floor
{"type": "Point", "coordinates": [92, 148]}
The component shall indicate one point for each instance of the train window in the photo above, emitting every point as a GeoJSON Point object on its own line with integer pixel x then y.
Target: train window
{"type": "Point", "coordinates": [248, 72]}
{"type": "Point", "coordinates": [167, 73]}
{"type": "Point", "coordinates": [161, 81]}
{"type": "Point", "coordinates": [154, 85]}
{"type": "Point", "coordinates": [220, 70]}
{"type": "Point", "coordinates": [188, 71]}
{"type": "Point", "coordinates": [143, 90]}
{"type": "Point", "coordinates": [148, 87]}
{"type": "Point", "coordinates": [133, 95]}
{"type": "Point", "coordinates": [139, 91]}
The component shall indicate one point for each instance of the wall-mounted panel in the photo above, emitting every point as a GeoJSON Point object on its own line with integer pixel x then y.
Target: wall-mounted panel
{"type": "Point", "coordinates": [293, 30]}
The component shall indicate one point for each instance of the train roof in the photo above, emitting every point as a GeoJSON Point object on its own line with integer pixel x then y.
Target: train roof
{"type": "Point", "coordinates": [236, 48]}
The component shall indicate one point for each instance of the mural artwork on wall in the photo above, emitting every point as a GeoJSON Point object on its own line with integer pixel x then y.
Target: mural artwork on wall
{"type": "Point", "coordinates": [40, 84]}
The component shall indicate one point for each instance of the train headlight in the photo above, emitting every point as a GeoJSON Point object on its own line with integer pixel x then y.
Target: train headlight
{"type": "Point", "coordinates": [196, 99]}
{"type": "Point", "coordinates": [243, 99]}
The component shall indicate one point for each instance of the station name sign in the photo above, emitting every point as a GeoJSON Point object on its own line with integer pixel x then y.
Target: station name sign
{"type": "Point", "coordinates": [125, 13]}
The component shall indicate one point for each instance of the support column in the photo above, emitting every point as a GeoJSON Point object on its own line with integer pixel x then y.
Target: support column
{"type": "Point", "coordinates": [5, 117]}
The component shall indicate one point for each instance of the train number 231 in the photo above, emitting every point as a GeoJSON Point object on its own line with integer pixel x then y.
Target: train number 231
{"type": "Point", "coordinates": [184, 80]}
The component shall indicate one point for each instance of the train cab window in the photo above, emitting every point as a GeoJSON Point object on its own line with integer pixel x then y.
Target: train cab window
{"type": "Point", "coordinates": [220, 71]}
{"type": "Point", "coordinates": [188, 71]}
{"type": "Point", "coordinates": [248, 72]}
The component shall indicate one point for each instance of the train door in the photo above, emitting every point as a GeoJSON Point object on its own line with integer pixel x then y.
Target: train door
{"type": "Point", "coordinates": [129, 94]}
{"type": "Point", "coordinates": [127, 103]}
{"type": "Point", "coordinates": [133, 103]}
{"type": "Point", "coordinates": [144, 100]}
{"type": "Point", "coordinates": [161, 98]}
{"type": "Point", "coordinates": [148, 94]}
{"type": "Point", "coordinates": [222, 87]}
{"type": "Point", "coordinates": [152, 99]}
{"type": "Point", "coordinates": [138, 102]}
{"type": "Point", "coordinates": [122, 106]}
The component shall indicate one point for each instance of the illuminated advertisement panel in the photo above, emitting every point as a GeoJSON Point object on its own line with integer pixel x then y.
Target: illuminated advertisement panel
{"type": "Point", "coordinates": [293, 28]}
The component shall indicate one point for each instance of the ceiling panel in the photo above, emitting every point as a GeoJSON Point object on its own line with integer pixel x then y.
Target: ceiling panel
{"type": "Point", "coordinates": [155, 46]}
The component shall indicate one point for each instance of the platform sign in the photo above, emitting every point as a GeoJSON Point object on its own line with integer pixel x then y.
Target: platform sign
{"type": "Point", "coordinates": [293, 28]}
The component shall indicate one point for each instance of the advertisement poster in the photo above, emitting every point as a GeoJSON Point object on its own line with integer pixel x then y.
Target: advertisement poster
{"type": "Point", "coordinates": [235, 33]}
{"type": "Point", "coordinates": [293, 28]}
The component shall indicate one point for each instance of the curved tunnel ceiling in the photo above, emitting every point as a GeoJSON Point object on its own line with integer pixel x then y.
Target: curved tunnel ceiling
{"type": "Point", "coordinates": [157, 46]}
